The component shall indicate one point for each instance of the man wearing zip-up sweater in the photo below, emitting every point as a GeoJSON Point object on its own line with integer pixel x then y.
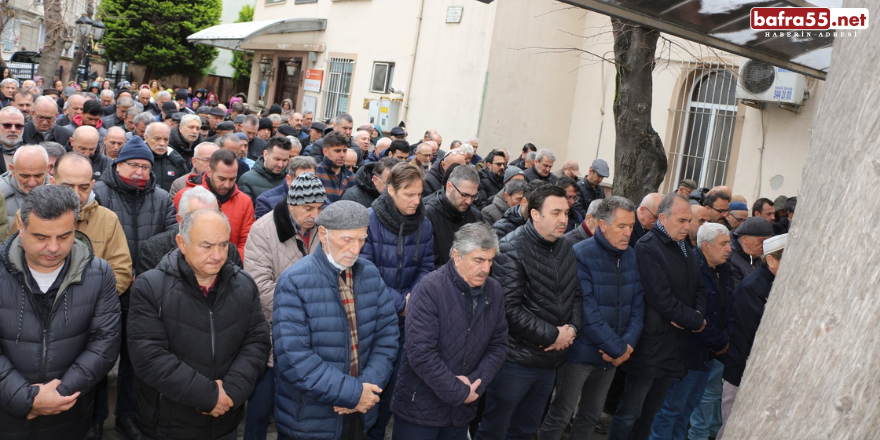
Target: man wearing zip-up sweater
{"type": "Point", "coordinates": [198, 339]}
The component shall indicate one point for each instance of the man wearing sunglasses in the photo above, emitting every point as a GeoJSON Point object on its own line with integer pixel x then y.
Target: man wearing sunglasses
{"type": "Point", "coordinates": [11, 128]}
{"type": "Point", "coordinates": [492, 177]}
{"type": "Point", "coordinates": [452, 208]}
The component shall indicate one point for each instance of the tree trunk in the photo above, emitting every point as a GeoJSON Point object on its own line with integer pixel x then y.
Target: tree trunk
{"type": "Point", "coordinates": [51, 53]}
{"type": "Point", "coordinates": [639, 157]}
{"type": "Point", "coordinates": [813, 372]}
{"type": "Point", "coordinates": [80, 54]}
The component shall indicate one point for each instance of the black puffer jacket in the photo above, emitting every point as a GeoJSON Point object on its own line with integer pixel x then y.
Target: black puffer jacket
{"type": "Point", "coordinates": [100, 163]}
{"type": "Point", "coordinates": [180, 344]}
{"type": "Point", "coordinates": [184, 149]}
{"type": "Point", "coordinates": [79, 345]}
{"type": "Point", "coordinates": [433, 180]}
{"type": "Point", "coordinates": [142, 213]}
{"type": "Point", "coordinates": [363, 190]}
{"type": "Point", "coordinates": [446, 220]}
{"type": "Point", "coordinates": [169, 167]}
{"type": "Point", "coordinates": [511, 220]}
{"type": "Point", "coordinates": [541, 292]}
{"type": "Point", "coordinates": [586, 195]}
{"type": "Point", "coordinates": [490, 184]}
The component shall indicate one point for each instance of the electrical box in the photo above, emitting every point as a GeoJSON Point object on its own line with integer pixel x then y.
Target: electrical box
{"type": "Point", "coordinates": [385, 112]}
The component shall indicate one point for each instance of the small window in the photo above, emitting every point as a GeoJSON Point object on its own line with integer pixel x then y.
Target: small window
{"type": "Point", "coordinates": [383, 75]}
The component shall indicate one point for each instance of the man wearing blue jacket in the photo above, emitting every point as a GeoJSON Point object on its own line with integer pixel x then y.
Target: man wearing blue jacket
{"type": "Point", "coordinates": [335, 332]}
{"type": "Point", "coordinates": [613, 310]}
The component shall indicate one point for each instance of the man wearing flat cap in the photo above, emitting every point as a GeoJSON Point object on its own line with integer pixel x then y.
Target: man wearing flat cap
{"type": "Point", "coordinates": [589, 189]}
{"type": "Point", "coordinates": [746, 247]}
{"type": "Point", "coordinates": [335, 334]}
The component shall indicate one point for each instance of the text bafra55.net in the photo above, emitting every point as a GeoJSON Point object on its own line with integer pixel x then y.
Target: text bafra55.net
{"type": "Point", "coordinates": [803, 19]}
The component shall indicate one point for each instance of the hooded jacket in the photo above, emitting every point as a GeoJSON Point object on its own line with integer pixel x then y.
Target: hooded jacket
{"type": "Point", "coordinates": [79, 345]}
{"type": "Point", "coordinates": [142, 213]}
{"type": "Point", "coordinates": [181, 342]}
{"type": "Point", "coordinates": [511, 220]}
{"type": "Point", "coordinates": [400, 246]}
{"type": "Point", "coordinates": [272, 246]}
{"type": "Point", "coordinates": [181, 146]}
{"type": "Point", "coordinates": [446, 336]}
{"type": "Point", "coordinates": [259, 180]}
{"type": "Point", "coordinates": [495, 210]}
{"type": "Point", "coordinates": [313, 348]}
{"type": "Point", "coordinates": [446, 221]}
{"type": "Point", "coordinates": [363, 191]}
{"type": "Point", "coordinates": [236, 205]}
{"type": "Point", "coordinates": [541, 293]}
{"type": "Point", "coordinates": [168, 167]}
{"type": "Point", "coordinates": [613, 301]}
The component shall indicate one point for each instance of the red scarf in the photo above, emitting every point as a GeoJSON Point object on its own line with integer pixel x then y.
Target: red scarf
{"type": "Point", "coordinates": [135, 183]}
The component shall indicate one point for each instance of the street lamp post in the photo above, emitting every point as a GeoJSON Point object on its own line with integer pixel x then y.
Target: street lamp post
{"type": "Point", "coordinates": [91, 33]}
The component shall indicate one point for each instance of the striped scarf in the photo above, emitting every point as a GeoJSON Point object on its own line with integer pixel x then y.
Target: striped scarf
{"type": "Point", "coordinates": [680, 244]}
{"type": "Point", "coordinates": [346, 294]}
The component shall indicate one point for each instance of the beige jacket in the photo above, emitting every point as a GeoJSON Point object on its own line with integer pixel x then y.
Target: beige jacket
{"type": "Point", "coordinates": [266, 256]}
{"type": "Point", "coordinates": [108, 241]}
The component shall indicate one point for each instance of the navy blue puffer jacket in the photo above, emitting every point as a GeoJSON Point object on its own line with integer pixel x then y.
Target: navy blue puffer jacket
{"type": "Point", "coordinates": [402, 259]}
{"type": "Point", "coordinates": [445, 338]}
{"type": "Point", "coordinates": [312, 345]}
{"type": "Point", "coordinates": [614, 301]}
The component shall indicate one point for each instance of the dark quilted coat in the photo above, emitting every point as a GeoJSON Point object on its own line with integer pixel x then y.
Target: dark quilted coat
{"type": "Point", "coordinates": [402, 260]}
{"type": "Point", "coordinates": [180, 345]}
{"type": "Point", "coordinates": [266, 201]}
{"type": "Point", "coordinates": [142, 213]}
{"type": "Point", "coordinates": [511, 220]}
{"type": "Point", "coordinates": [748, 309]}
{"type": "Point", "coordinates": [541, 293]}
{"type": "Point", "coordinates": [446, 221]}
{"type": "Point", "coordinates": [674, 292]}
{"type": "Point", "coordinates": [181, 146]}
{"type": "Point", "coordinates": [741, 263]}
{"type": "Point", "coordinates": [490, 184]}
{"type": "Point", "coordinates": [719, 305]}
{"type": "Point", "coordinates": [433, 180]}
{"type": "Point", "coordinates": [312, 346]}
{"type": "Point", "coordinates": [259, 180]}
{"type": "Point", "coordinates": [614, 301]}
{"type": "Point", "coordinates": [446, 338]}
{"type": "Point", "coordinates": [363, 190]}
{"type": "Point", "coordinates": [81, 345]}
{"type": "Point", "coordinates": [169, 167]}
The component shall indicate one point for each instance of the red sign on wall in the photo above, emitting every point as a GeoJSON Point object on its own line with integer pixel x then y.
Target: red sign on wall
{"type": "Point", "coordinates": [313, 80]}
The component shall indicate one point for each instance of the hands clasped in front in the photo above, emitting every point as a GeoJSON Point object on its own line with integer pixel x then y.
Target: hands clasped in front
{"type": "Point", "coordinates": [369, 398]}
{"type": "Point", "coordinates": [564, 340]}
{"type": "Point", "coordinates": [49, 402]}
{"type": "Point", "coordinates": [224, 402]}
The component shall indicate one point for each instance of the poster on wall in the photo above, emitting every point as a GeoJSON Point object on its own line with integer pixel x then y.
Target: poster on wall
{"type": "Point", "coordinates": [313, 80]}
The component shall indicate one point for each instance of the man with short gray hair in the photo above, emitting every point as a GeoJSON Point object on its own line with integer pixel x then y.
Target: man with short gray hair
{"type": "Point", "coordinates": [52, 360]}
{"type": "Point", "coordinates": [646, 217]}
{"type": "Point", "coordinates": [451, 208]}
{"type": "Point", "coordinates": [28, 170]}
{"type": "Point", "coordinates": [587, 228]}
{"type": "Point", "coordinates": [544, 160]}
{"type": "Point", "coordinates": [197, 336]}
{"type": "Point", "coordinates": [200, 160]}
{"type": "Point", "coordinates": [118, 112]}
{"type": "Point", "coordinates": [42, 127]}
{"type": "Point", "coordinates": [185, 136]}
{"type": "Point", "coordinates": [613, 309]}
{"type": "Point", "coordinates": [456, 340]}
{"type": "Point", "coordinates": [8, 87]}
{"type": "Point", "coordinates": [509, 197]}
{"type": "Point", "coordinates": [10, 138]}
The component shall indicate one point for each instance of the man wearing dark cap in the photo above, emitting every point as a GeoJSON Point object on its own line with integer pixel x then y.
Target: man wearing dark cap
{"type": "Point", "coordinates": [144, 210]}
{"type": "Point", "coordinates": [739, 212]}
{"type": "Point", "coordinates": [168, 109]}
{"type": "Point", "coordinates": [783, 214]}
{"type": "Point", "coordinates": [397, 133]}
{"type": "Point", "coordinates": [686, 186]}
{"type": "Point", "coordinates": [746, 244]}
{"type": "Point", "coordinates": [589, 189]}
{"type": "Point", "coordinates": [333, 362]}
{"type": "Point", "coordinates": [237, 121]}
{"type": "Point", "coordinates": [225, 127]}
{"type": "Point", "coordinates": [181, 96]}
{"type": "Point", "coordinates": [215, 116]}
{"type": "Point", "coordinates": [276, 242]}
{"type": "Point", "coordinates": [264, 129]}
{"type": "Point", "coordinates": [316, 131]}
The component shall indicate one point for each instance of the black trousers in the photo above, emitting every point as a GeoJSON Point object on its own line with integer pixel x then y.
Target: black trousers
{"type": "Point", "coordinates": [352, 428]}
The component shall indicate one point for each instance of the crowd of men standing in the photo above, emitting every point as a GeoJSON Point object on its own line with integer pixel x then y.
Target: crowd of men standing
{"type": "Point", "coordinates": [247, 268]}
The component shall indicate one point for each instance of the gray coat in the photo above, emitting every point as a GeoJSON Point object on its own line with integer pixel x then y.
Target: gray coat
{"type": "Point", "coordinates": [13, 194]}
{"type": "Point", "coordinates": [79, 345]}
{"type": "Point", "coordinates": [495, 210]}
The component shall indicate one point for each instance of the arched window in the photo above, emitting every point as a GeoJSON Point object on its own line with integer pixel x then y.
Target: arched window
{"type": "Point", "coordinates": [711, 113]}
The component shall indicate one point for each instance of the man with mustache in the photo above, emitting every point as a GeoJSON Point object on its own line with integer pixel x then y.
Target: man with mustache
{"type": "Point", "coordinates": [332, 361]}
{"type": "Point", "coordinates": [543, 306]}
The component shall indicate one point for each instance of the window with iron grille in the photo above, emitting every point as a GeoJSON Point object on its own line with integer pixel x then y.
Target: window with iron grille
{"type": "Point", "coordinates": [338, 87]}
{"type": "Point", "coordinates": [706, 133]}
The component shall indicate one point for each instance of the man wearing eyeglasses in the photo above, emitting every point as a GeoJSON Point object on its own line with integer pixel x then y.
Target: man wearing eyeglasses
{"type": "Point", "coordinates": [492, 177]}
{"type": "Point", "coordinates": [451, 208]}
{"type": "Point", "coordinates": [739, 212]}
{"type": "Point", "coordinates": [200, 160]}
{"type": "Point", "coordinates": [11, 128]}
{"type": "Point", "coordinates": [42, 127]}
{"type": "Point", "coordinates": [424, 154]}
{"type": "Point", "coordinates": [144, 209]}
{"type": "Point", "coordinates": [646, 216]}
{"type": "Point", "coordinates": [718, 203]}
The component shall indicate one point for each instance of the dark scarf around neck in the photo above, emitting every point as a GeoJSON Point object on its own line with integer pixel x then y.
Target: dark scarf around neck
{"type": "Point", "coordinates": [391, 218]}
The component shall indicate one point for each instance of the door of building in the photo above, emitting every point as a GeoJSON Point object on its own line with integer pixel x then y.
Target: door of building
{"type": "Point", "coordinates": [288, 85]}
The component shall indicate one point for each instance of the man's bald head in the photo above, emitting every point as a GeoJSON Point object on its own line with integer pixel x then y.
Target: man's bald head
{"type": "Point", "coordinates": [647, 212]}
{"type": "Point", "coordinates": [85, 140]}
{"type": "Point", "coordinates": [30, 165]}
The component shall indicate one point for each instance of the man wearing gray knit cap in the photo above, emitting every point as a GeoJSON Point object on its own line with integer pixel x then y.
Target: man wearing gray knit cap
{"type": "Point", "coordinates": [333, 326]}
{"type": "Point", "coordinates": [277, 241]}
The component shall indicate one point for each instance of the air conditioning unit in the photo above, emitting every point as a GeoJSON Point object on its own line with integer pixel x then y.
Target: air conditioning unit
{"type": "Point", "coordinates": [760, 82]}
